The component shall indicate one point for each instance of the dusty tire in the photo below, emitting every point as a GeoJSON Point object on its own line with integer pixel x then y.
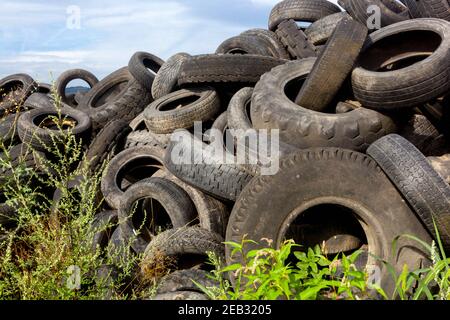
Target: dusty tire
{"type": "Point", "coordinates": [165, 115]}
{"type": "Point", "coordinates": [118, 96]}
{"type": "Point", "coordinates": [410, 86]}
{"type": "Point", "coordinates": [167, 77]}
{"type": "Point", "coordinates": [320, 31]}
{"type": "Point", "coordinates": [295, 40]}
{"type": "Point", "coordinates": [226, 68]}
{"type": "Point", "coordinates": [175, 201]}
{"type": "Point", "coordinates": [354, 192]}
{"type": "Point", "coordinates": [130, 165]}
{"type": "Point", "coordinates": [359, 10]}
{"type": "Point", "coordinates": [332, 68]}
{"type": "Point", "coordinates": [14, 90]}
{"type": "Point", "coordinates": [239, 110]}
{"type": "Point", "coordinates": [38, 100]}
{"type": "Point", "coordinates": [275, 46]}
{"type": "Point", "coordinates": [426, 191]}
{"type": "Point", "coordinates": [30, 132]}
{"type": "Point", "coordinates": [142, 138]}
{"type": "Point", "coordinates": [183, 280]}
{"type": "Point", "coordinates": [183, 242]}
{"type": "Point", "coordinates": [303, 128]}
{"type": "Point", "coordinates": [139, 64]}
{"type": "Point", "coordinates": [69, 75]}
{"type": "Point", "coordinates": [206, 171]}
{"type": "Point", "coordinates": [300, 10]}
{"type": "Point", "coordinates": [429, 8]}
{"type": "Point", "coordinates": [245, 44]}
{"type": "Point", "coordinates": [212, 214]}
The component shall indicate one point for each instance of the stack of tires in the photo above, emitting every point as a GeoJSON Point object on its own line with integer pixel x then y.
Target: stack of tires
{"type": "Point", "coordinates": [362, 117]}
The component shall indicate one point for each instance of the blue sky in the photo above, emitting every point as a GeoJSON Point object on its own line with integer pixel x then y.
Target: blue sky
{"type": "Point", "coordinates": [35, 39]}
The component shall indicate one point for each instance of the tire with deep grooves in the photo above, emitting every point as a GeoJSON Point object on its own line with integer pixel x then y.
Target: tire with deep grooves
{"type": "Point", "coordinates": [295, 40]}
{"type": "Point", "coordinates": [429, 8]}
{"type": "Point", "coordinates": [319, 32]}
{"type": "Point", "coordinates": [167, 77]}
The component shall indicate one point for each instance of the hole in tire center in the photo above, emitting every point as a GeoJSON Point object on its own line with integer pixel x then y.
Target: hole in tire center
{"type": "Point", "coordinates": [237, 51]}
{"type": "Point", "coordinates": [324, 223]}
{"type": "Point", "coordinates": [150, 218]}
{"type": "Point", "coordinates": [137, 170]}
{"type": "Point", "coordinates": [178, 103]}
{"type": "Point", "coordinates": [53, 122]}
{"type": "Point", "coordinates": [109, 94]}
{"type": "Point", "coordinates": [151, 66]}
{"type": "Point", "coordinates": [400, 50]}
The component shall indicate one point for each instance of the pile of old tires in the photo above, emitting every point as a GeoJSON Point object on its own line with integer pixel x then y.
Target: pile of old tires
{"type": "Point", "coordinates": [363, 120]}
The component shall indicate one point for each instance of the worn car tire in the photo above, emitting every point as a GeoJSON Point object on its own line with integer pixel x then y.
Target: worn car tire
{"type": "Point", "coordinates": [332, 68]}
{"type": "Point", "coordinates": [69, 75]}
{"type": "Point", "coordinates": [320, 31]}
{"type": "Point", "coordinates": [295, 40]}
{"type": "Point", "coordinates": [426, 191]}
{"type": "Point", "coordinates": [245, 44]}
{"type": "Point", "coordinates": [139, 66]}
{"type": "Point", "coordinates": [300, 10]}
{"type": "Point", "coordinates": [429, 8]}
{"type": "Point", "coordinates": [239, 110]}
{"type": "Point", "coordinates": [166, 79]}
{"type": "Point", "coordinates": [356, 188]}
{"type": "Point", "coordinates": [303, 128]}
{"type": "Point", "coordinates": [410, 86]}
{"type": "Point", "coordinates": [181, 109]}
{"type": "Point", "coordinates": [14, 90]}
{"type": "Point", "coordinates": [226, 68]}
{"type": "Point", "coordinates": [275, 46]}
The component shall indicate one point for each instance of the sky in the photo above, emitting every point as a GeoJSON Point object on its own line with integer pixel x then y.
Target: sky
{"type": "Point", "coordinates": [46, 37]}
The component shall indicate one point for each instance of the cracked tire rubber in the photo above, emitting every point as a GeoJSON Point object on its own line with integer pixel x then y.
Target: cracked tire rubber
{"type": "Point", "coordinates": [181, 109]}
{"type": "Point", "coordinates": [226, 68]}
{"type": "Point", "coordinates": [69, 75]}
{"type": "Point", "coordinates": [139, 66]}
{"type": "Point", "coordinates": [410, 86]}
{"type": "Point", "coordinates": [186, 241]}
{"type": "Point", "coordinates": [118, 96]}
{"type": "Point", "coordinates": [295, 40]}
{"type": "Point", "coordinates": [426, 191]}
{"type": "Point", "coordinates": [332, 67]}
{"type": "Point", "coordinates": [319, 32]}
{"type": "Point", "coordinates": [175, 201]}
{"type": "Point", "coordinates": [303, 128]}
{"type": "Point", "coordinates": [206, 171]}
{"type": "Point", "coordinates": [429, 8]}
{"type": "Point", "coordinates": [359, 10]}
{"type": "Point", "coordinates": [39, 138]}
{"type": "Point", "coordinates": [354, 182]}
{"type": "Point", "coordinates": [166, 79]}
{"type": "Point", "coordinates": [212, 214]}
{"type": "Point", "coordinates": [130, 165]}
{"type": "Point", "coordinates": [300, 10]}
{"type": "Point", "coordinates": [183, 280]}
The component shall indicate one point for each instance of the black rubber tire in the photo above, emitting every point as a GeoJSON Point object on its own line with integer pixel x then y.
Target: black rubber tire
{"type": "Point", "coordinates": [103, 226]}
{"type": "Point", "coordinates": [275, 46]}
{"type": "Point", "coordinates": [239, 111]}
{"type": "Point", "coordinates": [320, 31]}
{"type": "Point", "coordinates": [245, 44]}
{"type": "Point", "coordinates": [176, 202]}
{"type": "Point", "coordinates": [139, 66]}
{"type": "Point", "coordinates": [43, 138]}
{"type": "Point", "coordinates": [429, 8]}
{"type": "Point", "coordinates": [118, 96]}
{"type": "Point", "coordinates": [69, 75]}
{"type": "Point", "coordinates": [105, 144]}
{"type": "Point", "coordinates": [226, 68]}
{"type": "Point", "coordinates": [171, 112]}
{"type": "Point", "coordinates": [180, 295]}
{"type": "Point", "coordinates": [269, 205]}
{"type": "Point", "coordinates": [332, 67]}
{"type": "Point", "coordinates": [148, 158]}
{"type": "Point", "coordinates": [141, 138]}
{"type": "Point", "coordinates": [410, 86]}
{"type": "Point", "coordinates": [183, 280]}
{"type": "Point", "coordinates": [206, 172]}
{"type": "Point", "coordinates": [426, 191]}
{"type": "Point", "coordinates": [212, 214]}
{"type": "Point", "coordinates": [184, 241]}
{"type": "Point", "coordinates": [295, 40]}
{"type": "Point", "coordinates": [8, 129]}
{"type": "Point", "coordinates": [45, 88]}
{"type": "Point", "coordinates": [21, 86]}
{"type": "Point", "coordinates": [7, 216]}
{"type": "Point", "coordinates": [166, 79]}
{"type": "Point", "coordinates": [38, 100]}
{"type": "Point", "coordinates": [303, 128]}
{"type": "Point", "coordinates": [300, 10]}
{"type": "Point", "coordinates": [358, 9]}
